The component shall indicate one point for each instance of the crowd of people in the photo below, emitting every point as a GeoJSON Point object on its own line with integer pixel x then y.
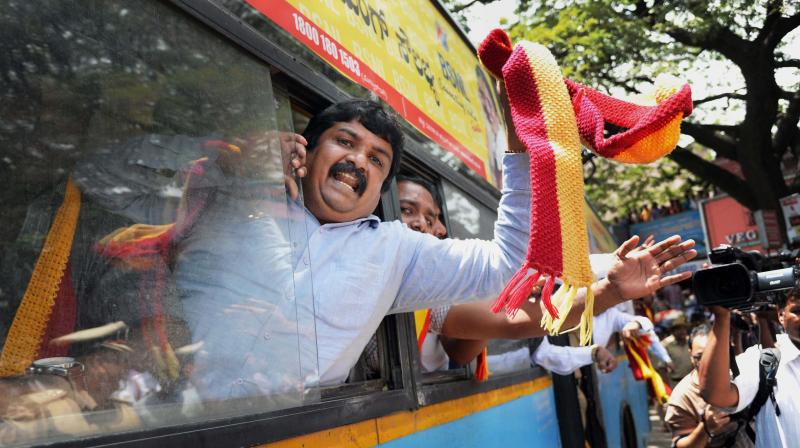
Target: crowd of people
{"type": "Point", "coordinates": [656, 210]}
{"type": "Point", "coordinates": [717, 401]}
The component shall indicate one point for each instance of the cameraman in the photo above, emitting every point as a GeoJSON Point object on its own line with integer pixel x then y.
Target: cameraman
{"type": "Point", "coordinates": [773, 427]}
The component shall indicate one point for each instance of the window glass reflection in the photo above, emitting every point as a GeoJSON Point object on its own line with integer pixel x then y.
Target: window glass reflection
{"type": "Point", "coordinates": [141, 167]}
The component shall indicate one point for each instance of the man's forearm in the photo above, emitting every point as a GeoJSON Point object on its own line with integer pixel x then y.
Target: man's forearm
{"type": "Point", "coordinates": [476, 321]}
{"type": "Point", "coordinates": [765, 335]}
{"type": "Point", "coordinates": [714, 377]}
{"type": "Point", "coordinates": [462, 351]}
{"type": "Point", "coordinates": [696, 439]}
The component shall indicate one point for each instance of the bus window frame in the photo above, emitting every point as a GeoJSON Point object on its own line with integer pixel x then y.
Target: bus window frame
{"type": "Point", "coordinates": [314, 91]}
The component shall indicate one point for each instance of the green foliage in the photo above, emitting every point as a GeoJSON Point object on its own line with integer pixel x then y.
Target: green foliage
{"type": "Point", "coordinates": [616, 189]}
{"type": "Point", "coordinates": [730, 50]}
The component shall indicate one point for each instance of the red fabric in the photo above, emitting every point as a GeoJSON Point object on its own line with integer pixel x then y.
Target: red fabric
{"type": "Point", "coordinates": [482, 366]}
{"type": "Point", "coordinates": [594, 109]}
{"type": "Point", "coordinates": [62, 318]}
{"type": "Point", "coordinates": [495, 50]}
{"type": "Point", "coordinates": [423, 332]}
{"type": "Point", "coordinates": [544, 247]}
{"type": "Point", "coordinates": [160, 245]}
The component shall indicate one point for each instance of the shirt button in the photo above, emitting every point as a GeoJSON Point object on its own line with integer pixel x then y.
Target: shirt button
{"type": "Point", "coordinates": [305, 260]}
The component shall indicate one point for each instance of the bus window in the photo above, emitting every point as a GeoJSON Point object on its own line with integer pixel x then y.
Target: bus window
{"type": "Point", "coordinates": [140, 163]}
{"type": "Point", "coordinates": [467, 217]}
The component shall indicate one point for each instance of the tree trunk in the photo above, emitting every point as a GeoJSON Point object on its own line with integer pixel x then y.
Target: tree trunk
{"type": "Point", "coordinates": [760, 165]}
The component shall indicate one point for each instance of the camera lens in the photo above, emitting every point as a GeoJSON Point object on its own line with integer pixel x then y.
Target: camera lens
{"type": "Point", "coordinates": [727, 285]}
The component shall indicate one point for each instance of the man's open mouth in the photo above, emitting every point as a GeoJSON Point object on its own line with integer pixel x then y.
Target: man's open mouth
{"type": "Point", "coordinates": [347, 174]}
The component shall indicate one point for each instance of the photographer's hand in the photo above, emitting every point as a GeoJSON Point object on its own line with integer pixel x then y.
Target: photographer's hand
{"type": "Point", "coordinates": [713, 372]}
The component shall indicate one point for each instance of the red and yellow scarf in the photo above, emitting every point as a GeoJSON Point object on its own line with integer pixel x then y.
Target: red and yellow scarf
{"type": "Point", "coordinates": [552, 117]}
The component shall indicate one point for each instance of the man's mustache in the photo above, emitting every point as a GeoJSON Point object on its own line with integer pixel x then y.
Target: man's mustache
{"type": "Point", "coordinates": [350, 168]}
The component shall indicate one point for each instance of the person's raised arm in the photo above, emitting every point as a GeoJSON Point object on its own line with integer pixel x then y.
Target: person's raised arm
{"type": "Point", "coordinates": [636, 273]}
{"type": "Point", "coordinates": [714, 377]}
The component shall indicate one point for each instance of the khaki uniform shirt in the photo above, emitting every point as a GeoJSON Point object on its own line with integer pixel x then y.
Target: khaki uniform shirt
{"type": "Point", "coordinates": [681, 359]}
{"type": "Point", "coordinates": [685, 410]}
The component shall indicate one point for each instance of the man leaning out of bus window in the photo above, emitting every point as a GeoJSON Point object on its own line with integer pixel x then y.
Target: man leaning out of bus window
{"type": "Point", "coordinates": [364, 269]}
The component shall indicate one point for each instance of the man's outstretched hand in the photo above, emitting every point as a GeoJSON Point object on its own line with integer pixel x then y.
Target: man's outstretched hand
{"type": "Point", "coordinates": [640, 271]}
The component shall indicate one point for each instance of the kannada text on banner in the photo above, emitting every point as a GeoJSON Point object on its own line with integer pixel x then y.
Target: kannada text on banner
{"type": "Point", "coordinates": [411, 57]}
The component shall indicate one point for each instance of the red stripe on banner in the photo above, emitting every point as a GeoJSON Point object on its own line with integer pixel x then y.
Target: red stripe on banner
{"type": "Point", "coordinates": [523, 93]}
{"type": "Point", "coordinates": [324, 45]}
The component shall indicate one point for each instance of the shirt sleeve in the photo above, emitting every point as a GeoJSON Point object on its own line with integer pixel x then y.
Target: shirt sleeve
{"type": "Point", "coordinates": [656, 348]}
{"type": "Point", "coordinates": [601, 264]}
{"type": "Point", "coordinates": [618, 319]}
{"type": "Point", "coordinates": [680, 421]}
{"type": "Point", "coordinates": [438, 315]}
{"type": "Point", "coordinates": [747, 380]}
{"type": "Point", "coordinates": [561, 360]}
{"type": "Point", "coordinates": [439, 272]}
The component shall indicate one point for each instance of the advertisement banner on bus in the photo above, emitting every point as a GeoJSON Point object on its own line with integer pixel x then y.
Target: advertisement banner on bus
{"type": "Point", "coordinates": [686, 224]}
{"type": "Point", "coordinates": [600, 239]}
{"type": "Point", "coordinates": [409, 55]}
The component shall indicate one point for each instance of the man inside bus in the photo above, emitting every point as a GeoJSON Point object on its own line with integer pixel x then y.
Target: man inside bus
{"type": "Point", "coordinates": [364, 269]}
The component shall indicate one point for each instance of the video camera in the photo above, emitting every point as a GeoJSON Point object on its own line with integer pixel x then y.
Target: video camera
{"type": "Point", "coordinates": [746, 280]}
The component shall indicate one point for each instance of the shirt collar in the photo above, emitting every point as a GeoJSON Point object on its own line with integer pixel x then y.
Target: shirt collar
{"type": "Point", "coordinates": [789, 351]}
{"type": "Point", "coordinates": [370, 220]}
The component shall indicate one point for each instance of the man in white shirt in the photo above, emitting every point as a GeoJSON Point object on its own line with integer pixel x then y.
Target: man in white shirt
{"type": "Point", "coordinates": [363, 268]}
{"type": "Point", "coordinates": [717, 387]}
{"type": "Point", "coordinates": [564, 360]}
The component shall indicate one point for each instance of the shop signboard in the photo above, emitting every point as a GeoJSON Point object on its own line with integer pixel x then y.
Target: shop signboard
{"type": "Point", "coordinates": [791, 215]}
{"type": "Point", "coordinates": [728, 222]}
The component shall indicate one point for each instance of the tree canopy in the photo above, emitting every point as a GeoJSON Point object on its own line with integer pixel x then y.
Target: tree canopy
{"type": "Point", "coordinates": [746, 110]}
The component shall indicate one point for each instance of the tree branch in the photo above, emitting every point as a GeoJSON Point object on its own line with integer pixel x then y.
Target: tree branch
{"type": "Point", "coordinates": [716, 38]}
{"type": "Point", "coordinates": [724, 145]}
{"type": "Point", "coordinates": [772, 15]}
{"type": "Point", "coordinates": [618, 83]}
{"type": "Point", "coordinates": [731, 129]}
{"type": "Point", "coordinates": [458, 8]}
{"type": "Point", "coordinates": [787, 133]}
{"type": "Point", "coordinates": [788, 63]}
{"type": "Point", "coordinates": [783, 26]}
{"type": "Point", "coordinates": [727, 181]}
{"type": "Point", "coordinates": [708, 99]}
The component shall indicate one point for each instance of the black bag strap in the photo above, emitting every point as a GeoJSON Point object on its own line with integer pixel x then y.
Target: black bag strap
{"type": "Point", "coordinates": [767, 369]}
{"type": "Point", "coordinates": [768, 362]}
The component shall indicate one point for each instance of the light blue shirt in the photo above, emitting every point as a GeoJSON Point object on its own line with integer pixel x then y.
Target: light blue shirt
{"type": "Point", "coordinates": [247, 285]}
